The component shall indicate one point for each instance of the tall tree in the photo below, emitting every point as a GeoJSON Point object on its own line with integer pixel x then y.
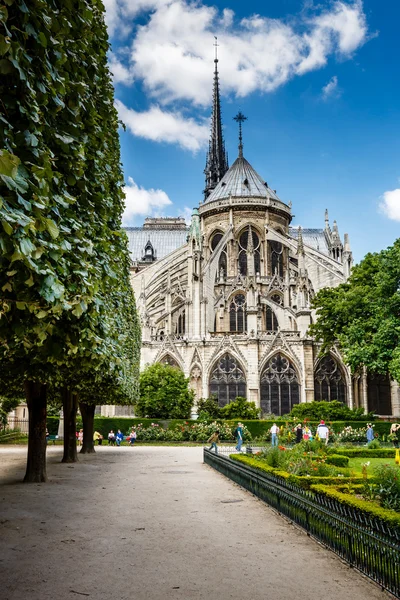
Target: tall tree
{"type": "Point", "coordinates": [61, 199]}
{"type": "Point", "coordinates": [363, 314]}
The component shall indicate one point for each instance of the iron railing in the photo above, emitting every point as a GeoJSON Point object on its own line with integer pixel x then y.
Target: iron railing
{"type": "Point", "coordinates": [366, 542]}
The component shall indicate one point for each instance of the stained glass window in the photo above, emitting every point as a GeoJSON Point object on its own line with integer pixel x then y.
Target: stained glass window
{"type": "Point", "coordinates": [279, 386]}
{"type": "Point", "coordinates": [329, 383]}
{"type": "Point", "coordinates": [276, 249]}
{"type": "Point", "coordinates": [227, 380]}
{"type": "Point", "coordinates": [237, 313]}
{"type": "Point", "coordinates": [243, 245]}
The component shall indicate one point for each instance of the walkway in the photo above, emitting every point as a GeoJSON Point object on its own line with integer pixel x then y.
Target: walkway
{"type": "Point", "coordinates": [154, 523]}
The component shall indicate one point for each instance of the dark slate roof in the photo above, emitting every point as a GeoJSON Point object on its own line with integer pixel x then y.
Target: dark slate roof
{"type": "Point", "coordinates": [241, 181]}
{"type": "Point", "coordinates": [164, 241]}
{"type": "Point", "coordinates": [312, 237]}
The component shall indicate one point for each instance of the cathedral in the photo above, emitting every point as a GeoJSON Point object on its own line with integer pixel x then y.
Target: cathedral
{"type": "Point", "coordinates": [228, 299]}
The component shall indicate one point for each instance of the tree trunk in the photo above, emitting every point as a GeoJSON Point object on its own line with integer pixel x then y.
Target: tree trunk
{"type": "Point", "coordinates": [87, 412]}
{"type": "Point", "coordinates": [36, 399]}
{"type": "Point", "coordinates": [70, 406]}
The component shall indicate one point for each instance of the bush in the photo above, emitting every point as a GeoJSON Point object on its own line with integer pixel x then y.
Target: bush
{"type": "Point", "coordinates": [330, 411]}
{"type": "Point", "coordinates": [337, 460]}
{"type": "Point", "coordinates": [364, 452]}
{"type": "Point", "coordinates": [240, 409]}
{"type": "Point", "coordinates": [207, 408]}
{"type": "Point", "coordinates": [164, 393]}
{"type": "Point", "coordinates": [387, 486]}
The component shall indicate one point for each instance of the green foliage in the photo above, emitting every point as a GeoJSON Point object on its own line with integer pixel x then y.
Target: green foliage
{"type": "Point", "coordinates": [330, 411]}
{"type": "Point", "coordinates": [374, 445]}
{"type": "Point", "coordinates": [363, 314]}
{"type": "Point", "coordinates": [364, 452]}
{"type": "Point", "coordinates": [240, 409]}
{"type": "Point", "coordinates": [164, 393]}
{"type": "Point", "coordinates": [391, 517]}
{"type": "Point", "coordinates": [337, 460]}
{"type": "Point", "coordinates": [6, 406]}
{"type": "Point", "coordinates": [67, 307]}
{"type": "Point", "coordinates": [386, 486]}
{"type": "Point", "coordinates": [207, 408]}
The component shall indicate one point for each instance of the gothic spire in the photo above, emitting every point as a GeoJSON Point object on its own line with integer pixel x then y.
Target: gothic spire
{"type": "Point", "coordinates": [217, 158]}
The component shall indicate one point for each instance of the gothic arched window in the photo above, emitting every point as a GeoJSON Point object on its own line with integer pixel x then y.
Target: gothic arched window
{"type": "Point", "coordinates": [227, 380]}
{"type": "Point", "coordinates": [276, 250]}
{"type": "Point", "coordinates": [271, 322]}
{"type": "Point", "coordinates": [223, 261]}
{"type": "Point", "coordinates": [243, 246]}
{"type": "Point", "coordinates": [169, 360]}
{"type": "Point", "coordinates": [329, 383]}
{"type": "Point", "coordinates": [180, 323]}
{"type": "Point", "coordinates": [237, 313]}
{"type": "Point", "coordinates": [279, 386]}
{"type": "Point", "coordinates": [379, 394]}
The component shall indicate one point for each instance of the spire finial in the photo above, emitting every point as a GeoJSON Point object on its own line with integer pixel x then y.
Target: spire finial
{"type": "Point", "coordinates": [216, 49]}
{"type": "Point", "coordinates": [217, 158]}
{"type": "Point", "coordinates": [300, 243]}
{"type": "Point", "coordinates": [240, 118]}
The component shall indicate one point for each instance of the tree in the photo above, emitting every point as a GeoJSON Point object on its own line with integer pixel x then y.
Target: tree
{"type": "Point", "coordinates": [240, 409]}
{"type": "Point", "coordinates": [332, 411]}
{"type": "Point", "coordinates": [362, 315]}
{"type": "Point", "coordinates": [164, 393]}
{"type": "Point", "coordinates": [61, 205]}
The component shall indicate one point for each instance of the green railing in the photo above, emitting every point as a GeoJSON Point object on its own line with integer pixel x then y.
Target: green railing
{"type": "Point", "coordinates": [367, 543]}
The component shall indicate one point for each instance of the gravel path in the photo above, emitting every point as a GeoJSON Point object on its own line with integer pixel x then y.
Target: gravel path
{"type": "Point", "coordinates": [153, 523]}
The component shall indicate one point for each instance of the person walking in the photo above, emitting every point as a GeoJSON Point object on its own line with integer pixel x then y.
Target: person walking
{"type": "Point", "coordinates": [323, 432]}
{"type": "Point", "coordinates": [370, 433]}
{"type": "Point", "coordinates": [239, 437]}
{"type": "Point", "coordinates": [299, 433]}
{"type": "Point", "coordinates": [119, 437]}
{"type": "Point", "coordinates": [307, 434]}
{"type": "Point", "coordinates": [395, 434]}
{"type": "Point", "coordinates": [274, 434]}
{"type": "Point", "coordinates": [214, 439]}
{"type": "Point", "coordinates": [80, 437]}
{"type": "Point", "coordinates": [132, 437]}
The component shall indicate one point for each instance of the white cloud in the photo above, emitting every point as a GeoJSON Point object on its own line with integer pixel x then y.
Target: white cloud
{"type": "Point", "coordinates": [331, 88]}
{"type": "Point", "coordinates": [172, 52]}
{"type": "Point", "coordinates": [139, 202]}
{"type": "Point", "coordinates": [120, 72]}
{"type": "Point", "coordinates": [161, 126]}
{"type": "Point", "coordinates": [390, 204]}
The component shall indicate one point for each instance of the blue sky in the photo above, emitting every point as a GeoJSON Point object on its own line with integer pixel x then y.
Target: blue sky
{"type": "Point", "coordinates": [318, 81]}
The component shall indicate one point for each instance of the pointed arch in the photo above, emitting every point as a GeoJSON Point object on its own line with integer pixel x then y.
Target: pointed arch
{"type": "Point", "coordinates": [227, 379]}
{"type": "Point", "coordinates": [330, 380]}
{"type": "Point", "coordinates": [168, 359]}
{"type": "Point", "coordinates": [279, 385]}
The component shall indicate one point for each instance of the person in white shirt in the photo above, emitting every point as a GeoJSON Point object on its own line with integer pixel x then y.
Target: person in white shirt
{"type": "Point", "coordinates": [274, 434]}
{"type": "Point", "coordinates": [323, 432]}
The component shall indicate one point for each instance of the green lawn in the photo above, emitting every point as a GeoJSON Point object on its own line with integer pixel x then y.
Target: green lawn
{"type": "Point", "coordinates": [356, 463]}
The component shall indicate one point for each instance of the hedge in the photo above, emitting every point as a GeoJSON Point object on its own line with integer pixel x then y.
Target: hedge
{"type": "Point", "coordinates": [337, 460]}
{"type": "Point", "coordinates": [363, 452]}
{"type": "Point", "coordinates": [302, 481]}
{"type": "Point", "coordinates": [257, 428]}
{"type": "Point", "coordinates": [366, 506]}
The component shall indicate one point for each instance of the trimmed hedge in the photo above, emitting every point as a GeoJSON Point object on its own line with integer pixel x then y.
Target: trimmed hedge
{"type": "Point", "coordinates": [363, 452]}
{"type": "Point", "coordinates": [302, 481]}
{"type": "Point", "coordinates": [258, 429]}
{"type": "Point", "coordinates": [337, 460]}
{"type": "Point", "coordinates": [366, 506]}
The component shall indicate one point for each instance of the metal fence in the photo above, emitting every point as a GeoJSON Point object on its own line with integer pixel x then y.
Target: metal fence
{"type": "Point", "coordinates": [367, 543]}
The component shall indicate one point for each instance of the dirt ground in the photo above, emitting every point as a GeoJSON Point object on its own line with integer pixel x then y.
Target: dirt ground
{"type": "Point", "coordinates": [153, 523]}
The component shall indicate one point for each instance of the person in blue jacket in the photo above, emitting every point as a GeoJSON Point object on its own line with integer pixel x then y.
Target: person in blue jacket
{"type": "Point", "coordinates": [370, 433]}
{"type": "Point", "coordinates": [119, 437]}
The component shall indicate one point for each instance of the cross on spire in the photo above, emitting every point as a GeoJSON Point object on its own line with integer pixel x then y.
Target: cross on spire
{"type": "Point", "coordinates": [240, 118]}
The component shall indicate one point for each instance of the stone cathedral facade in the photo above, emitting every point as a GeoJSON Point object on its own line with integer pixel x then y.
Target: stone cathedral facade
{"type": "Point", "coordinates": [227, 300]}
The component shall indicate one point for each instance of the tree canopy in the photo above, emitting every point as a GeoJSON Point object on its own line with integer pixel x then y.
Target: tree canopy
{"type": "Point", "coordinates": [164, 393]}
{"type": "Point", "coordinates": [363, 314]}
